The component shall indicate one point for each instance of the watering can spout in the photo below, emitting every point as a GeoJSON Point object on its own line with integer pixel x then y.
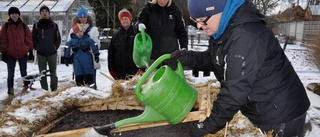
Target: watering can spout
{"type": "Point", "coordinates": [105, 129]}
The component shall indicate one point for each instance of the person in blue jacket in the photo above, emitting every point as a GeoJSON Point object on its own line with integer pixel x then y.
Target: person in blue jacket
{"type": "Point", "coordinates": [84, 52]}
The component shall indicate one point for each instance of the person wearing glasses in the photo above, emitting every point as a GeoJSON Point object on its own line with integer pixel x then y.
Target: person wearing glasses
{"type": "Point", "coordinates": [256, 77]}
{"type": "Point", "coordinates": [163, 21]}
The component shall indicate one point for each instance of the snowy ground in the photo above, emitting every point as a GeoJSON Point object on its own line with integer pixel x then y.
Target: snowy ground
{"type": "Point", "coordinates": [299, 57]}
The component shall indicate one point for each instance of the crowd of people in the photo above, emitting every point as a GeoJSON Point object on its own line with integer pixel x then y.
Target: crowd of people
{"type": "Point", "coordinates": [255, 75]}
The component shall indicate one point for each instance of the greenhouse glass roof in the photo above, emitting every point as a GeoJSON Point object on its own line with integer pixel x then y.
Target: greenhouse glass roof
{"type": "Point", "coordinates": [34, 5]}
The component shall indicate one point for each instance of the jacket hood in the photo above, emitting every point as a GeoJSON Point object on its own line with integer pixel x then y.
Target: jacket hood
{"type": "Point", "coordinates": [245, 14]}
{"type": "Point", "coordinates": [75, 19]}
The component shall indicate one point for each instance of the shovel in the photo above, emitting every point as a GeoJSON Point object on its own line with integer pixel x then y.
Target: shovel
{"type": "Point", "coordinates": [142, 49]}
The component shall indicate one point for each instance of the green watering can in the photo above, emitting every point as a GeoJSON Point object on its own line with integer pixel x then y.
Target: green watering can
{"type": "Point", "coordinates": [142, 49]}
{"type": "Point", "coordinates": [167, 97]}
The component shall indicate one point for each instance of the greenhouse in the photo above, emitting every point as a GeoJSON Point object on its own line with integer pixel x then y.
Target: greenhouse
{"type": "Point", "coordinates": [61, 11]}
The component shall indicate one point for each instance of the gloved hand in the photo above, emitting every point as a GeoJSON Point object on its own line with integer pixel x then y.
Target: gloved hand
{"type": "Point", "coordinates": [66, 61]}
{"type": "Point", "coordinates": [113, 73]}
{"type": "Point", "coordinates": [96, 58]}
{"type": "Point", "coordinates": [171, 63]}
{"type": "Point", "coordinates": [74, 48]}
{"type": "Point", "coordinates": [199, 129]}
{"type": "Point", "coordinates": [4, 57]}
{"type": "Point", "coordinates": [180, 55]}
{"type": "Point", "coordinates": [85, 48]}
{"type": "Point", "coordinates": [141, 26]}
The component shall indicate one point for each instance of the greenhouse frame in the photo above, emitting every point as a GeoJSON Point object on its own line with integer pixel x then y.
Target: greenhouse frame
{"type": "Point", "coordinates": [61, 11]}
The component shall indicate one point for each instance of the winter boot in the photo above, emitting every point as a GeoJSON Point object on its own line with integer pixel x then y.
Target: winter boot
{"type": "Point", "coordinates": [11, 91]}
{"type": "Point", "coordinates": [88, 79]}
{"type": "Point", "coordinates": [79, 80]}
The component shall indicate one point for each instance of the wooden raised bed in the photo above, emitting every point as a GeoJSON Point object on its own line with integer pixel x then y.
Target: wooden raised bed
{"type": "Point", "coordinates": [201, 110]}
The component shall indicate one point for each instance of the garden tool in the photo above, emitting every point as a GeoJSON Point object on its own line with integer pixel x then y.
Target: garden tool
{"type": "Point", "coordinates": [32, 78]}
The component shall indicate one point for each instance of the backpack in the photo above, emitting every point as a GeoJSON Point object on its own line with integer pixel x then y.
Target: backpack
{"type": "Point", "coordinates": [23, 24]}
{"type": "Point", "coordinates": [88, 29]}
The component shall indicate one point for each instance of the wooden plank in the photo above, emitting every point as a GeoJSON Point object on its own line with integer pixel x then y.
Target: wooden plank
{"type": "Point", "coordinates": [69, 133]}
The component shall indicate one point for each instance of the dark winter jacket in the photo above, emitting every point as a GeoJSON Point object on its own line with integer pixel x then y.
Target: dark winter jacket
{"type": "Point", "coordinates": [120, 53]}
{"type": "Point", "coordinates": [256, 76]}
{"type": "Point", "coordinates": [82, 56]}
{"type": "Point", "coordinates": [16, 40]}
{"type": "Point", "coordinates": [165, 26]}
{"type": "Point", "coordinates": [46, 37]}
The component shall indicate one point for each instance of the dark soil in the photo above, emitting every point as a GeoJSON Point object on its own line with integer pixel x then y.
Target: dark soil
{"type": "Point", "coordinates": [79, 120]}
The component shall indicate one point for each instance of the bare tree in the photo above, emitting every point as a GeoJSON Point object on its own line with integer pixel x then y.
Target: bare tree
{"type": "Point", "coordinates": [266, 7]}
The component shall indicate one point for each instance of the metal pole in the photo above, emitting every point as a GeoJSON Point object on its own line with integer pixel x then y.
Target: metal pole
{"type": "Point", "coordinates": [108, 14]}
{"type": "Point", "coordinates": [114, 15]}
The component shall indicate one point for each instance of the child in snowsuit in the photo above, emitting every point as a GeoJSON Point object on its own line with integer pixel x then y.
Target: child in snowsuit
{"type": "Point", "coordinates": [84, 53]}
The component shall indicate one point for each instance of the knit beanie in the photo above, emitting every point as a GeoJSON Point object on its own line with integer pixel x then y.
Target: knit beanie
{"type": "Point", "coordinates": [13, 10]}
{"type": "Point", "coordinates": [77, 27]}
{"type": "Point", "coordinates": [44, 7]}
{"type": "Point", "coordinates": [82, 12]}
{"type": "Point", "coordinates": [124, 13]}
{"type": "Point", "coordinates": [204, 8]}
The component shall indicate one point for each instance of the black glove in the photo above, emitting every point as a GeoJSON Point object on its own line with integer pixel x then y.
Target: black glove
{"type": "Point", "coordinates": [105, 130]}
{"type": "Point", "coordinates": [74, 48]}
{"type": "Point", "coordinates": [96, 58]}
{"type": "Point", "coordinates": [4, 57]}
{"type": "Point", "coordinates": [85, 48]}
{"type": "Point", "coordinates": [198, 130]}
{"type": "Point", "coordinates": [180, 55]}
{"type": "Point", "coordinates": [171, 63]}
{"type": "Point", "coordinates": [66, 61]}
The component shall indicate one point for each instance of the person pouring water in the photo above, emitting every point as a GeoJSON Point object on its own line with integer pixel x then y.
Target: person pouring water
{"type": "Point", "coordinates": [255, 75]}
{"type": "Point", "coordinates": [163, 21]}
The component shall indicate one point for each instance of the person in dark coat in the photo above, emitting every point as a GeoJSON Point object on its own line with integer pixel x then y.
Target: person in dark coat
{"type": "Point", "coordinates": [164, 23]}
{"type": "Point", "coordinates": [255, 75]}
{"type": "Point", "coordinates": [47, 40]}
{"type": "Point", "coordinates": [16, 42]}
{"type": "Point", "coordinates": [84, 53]}
{"type": "Point", "coordinates": [120, 60]}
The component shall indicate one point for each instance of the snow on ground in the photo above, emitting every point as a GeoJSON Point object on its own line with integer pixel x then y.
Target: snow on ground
{"type": "Point", "coordinates": [299, 57]}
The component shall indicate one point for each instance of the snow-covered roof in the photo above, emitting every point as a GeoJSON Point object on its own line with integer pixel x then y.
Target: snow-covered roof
{"type": "Point", "coordinates": [315, 9]}
{"type": "Point", "coordinates": [34, 5]}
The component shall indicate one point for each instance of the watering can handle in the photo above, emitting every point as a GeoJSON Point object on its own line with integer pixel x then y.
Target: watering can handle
{"type": "Point", "coordinates": [148, 72]}
{"type": "Point", "coordinates": [143, 38]}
